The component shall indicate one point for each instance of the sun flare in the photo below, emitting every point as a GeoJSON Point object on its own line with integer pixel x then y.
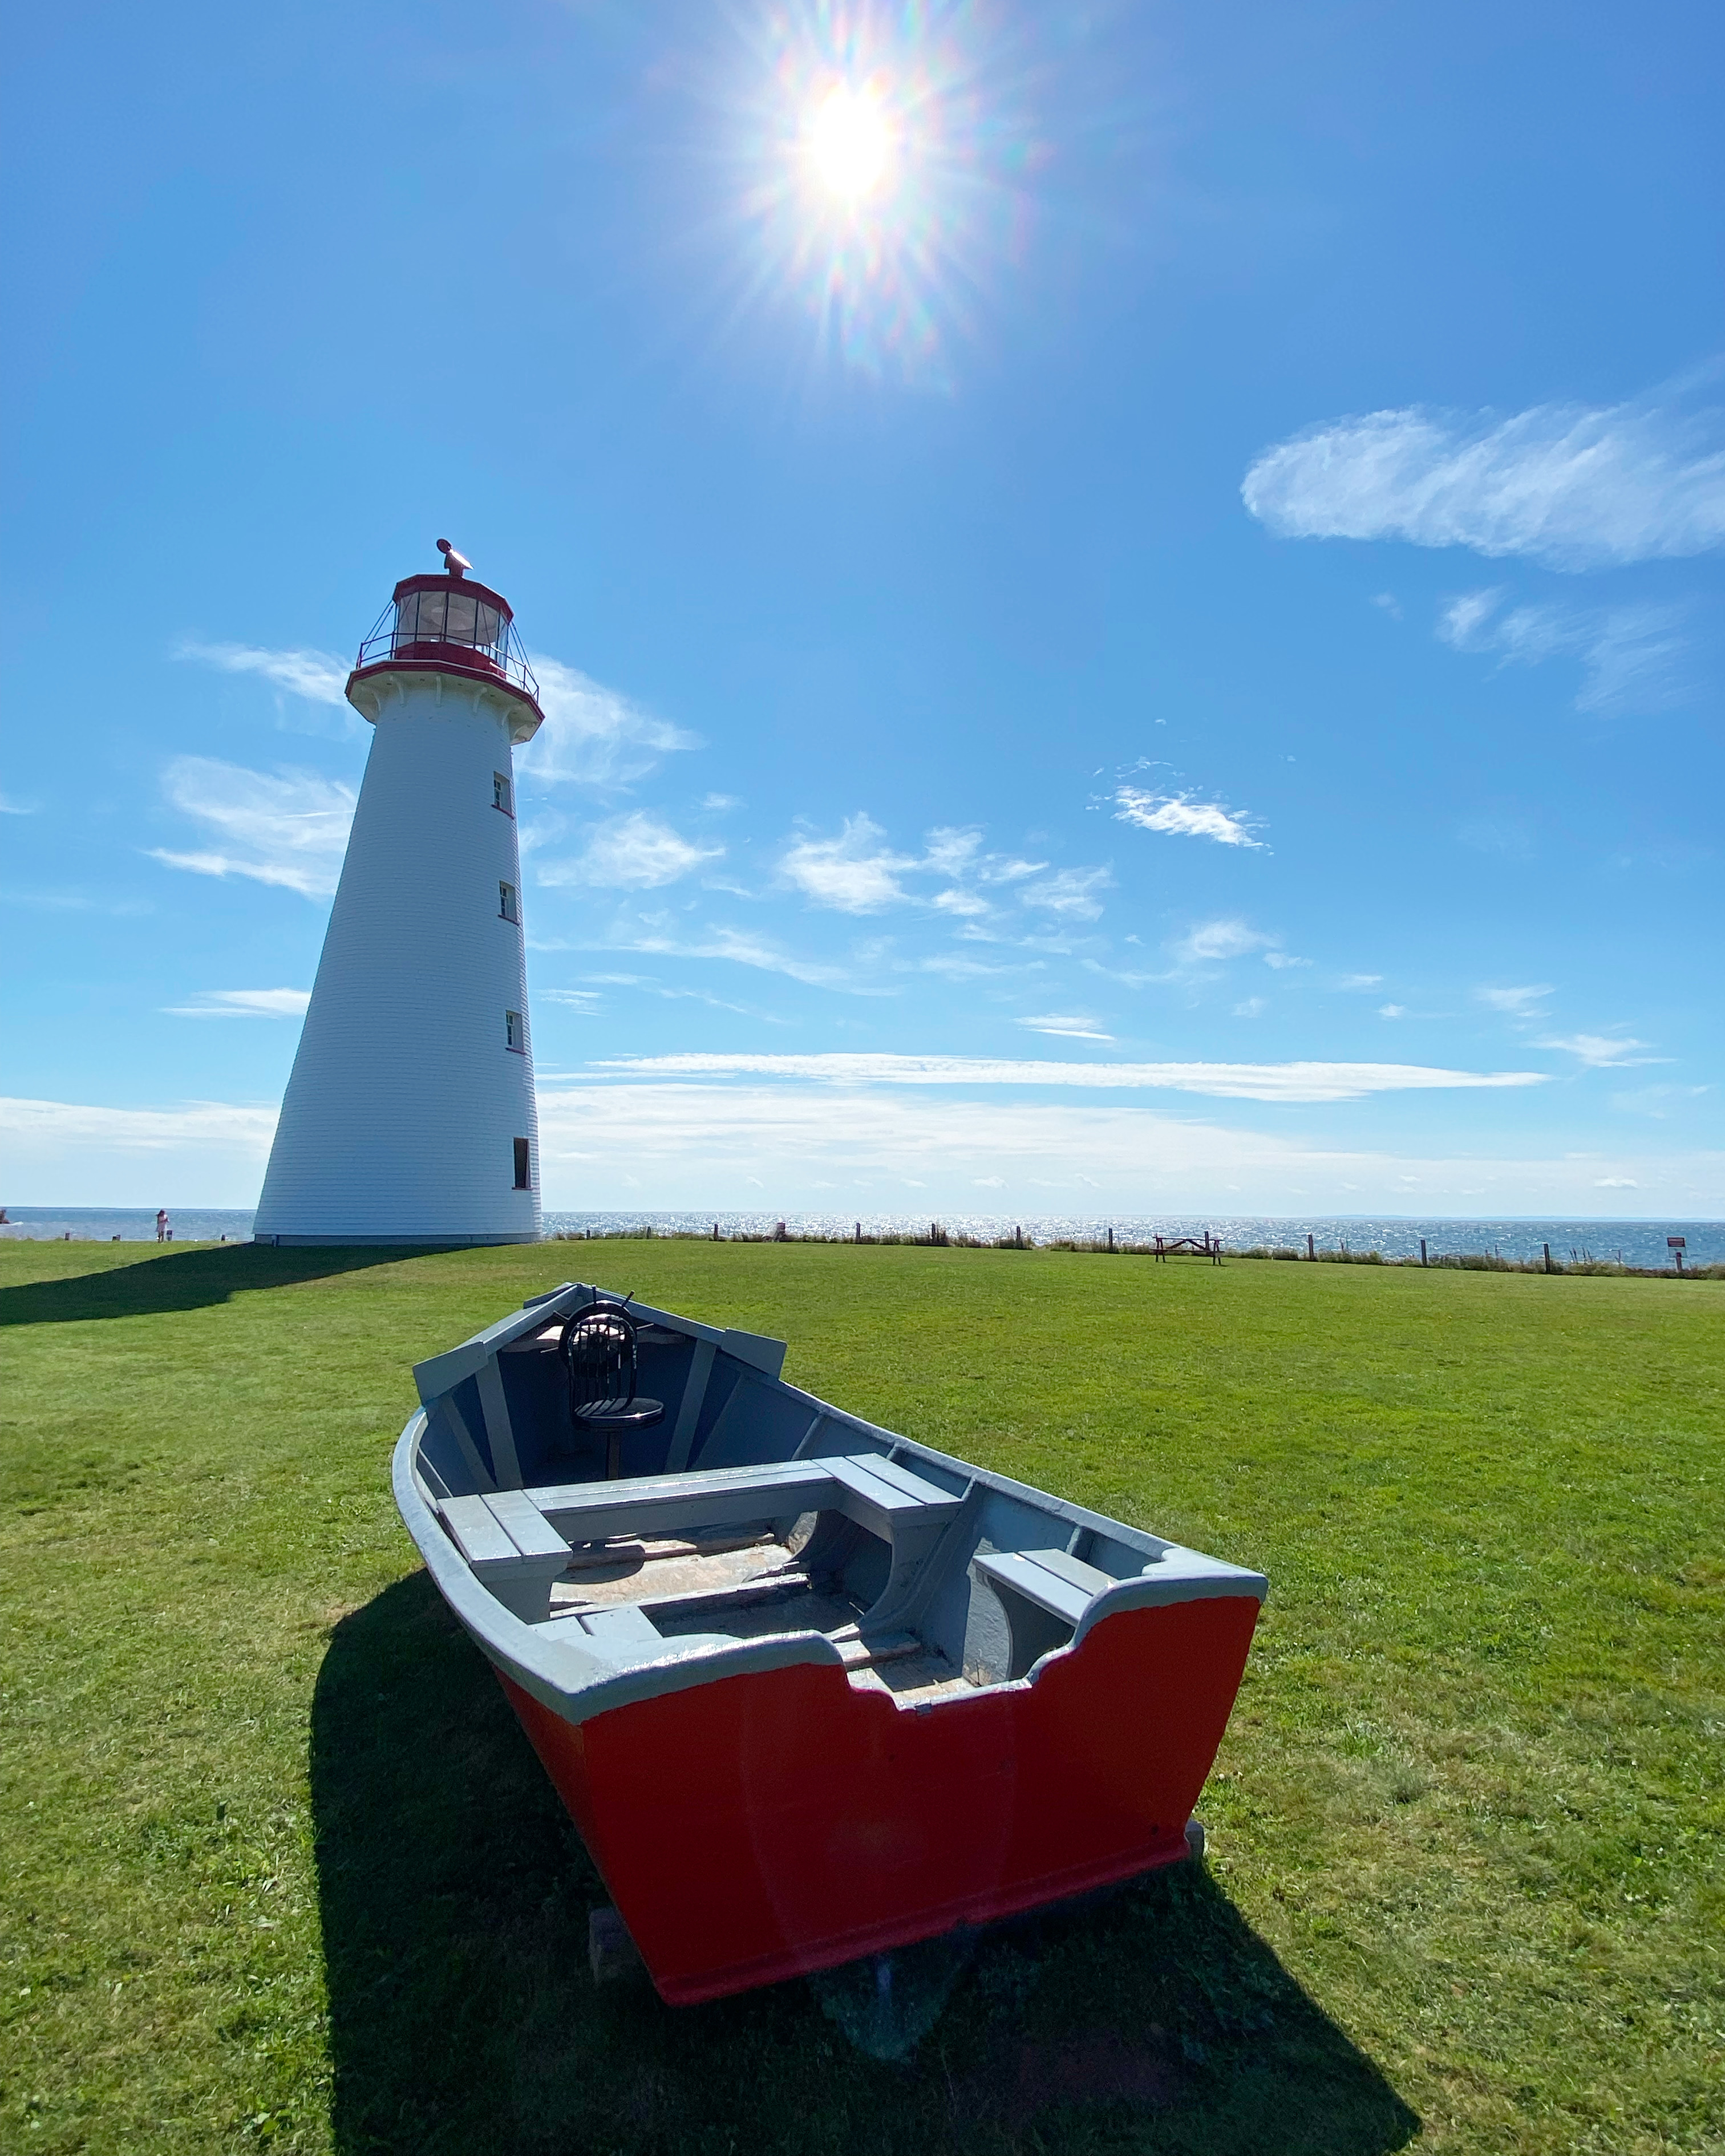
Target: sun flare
{"type": "Point", "coordinates": [851, 142]}
{"type": "Point", "coordinates": [883, 175]}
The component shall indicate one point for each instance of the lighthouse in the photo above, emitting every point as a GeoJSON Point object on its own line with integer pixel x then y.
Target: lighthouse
{"type": "Point", "coordinates": [409, 1115]}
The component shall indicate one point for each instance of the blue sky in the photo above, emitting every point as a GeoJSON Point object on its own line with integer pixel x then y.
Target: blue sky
{"type": "Point", "coordinates": [1161, 655]}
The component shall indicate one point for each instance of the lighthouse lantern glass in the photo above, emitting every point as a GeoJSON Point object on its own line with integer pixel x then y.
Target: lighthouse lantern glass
{"type": "Point", "coordinates": [446, 616]}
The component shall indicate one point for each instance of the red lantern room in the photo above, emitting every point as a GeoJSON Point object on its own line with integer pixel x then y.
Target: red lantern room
{"type": "Point", "coordinates": [448, 624]}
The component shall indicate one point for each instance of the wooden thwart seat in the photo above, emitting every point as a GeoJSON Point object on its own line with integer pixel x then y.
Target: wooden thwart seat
{"type": "Point", "coordinates": [875, 1492]}
{"type": "Point", "coordinates": [511, 1546]}
{"type": "Point", "coordinates": [1063, 1585]}
{"type": "Point", "coordinates": [518, 1540]}
{"type": "Point", "coordinates": [1053, 1584]}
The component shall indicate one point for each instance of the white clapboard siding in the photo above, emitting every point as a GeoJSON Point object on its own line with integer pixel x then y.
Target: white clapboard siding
{"type": "Point", "coordinates": [400, 1117]}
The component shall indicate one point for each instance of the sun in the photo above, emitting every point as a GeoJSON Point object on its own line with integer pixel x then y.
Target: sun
{"type": "Point", "coordinates": [851, 142]}
{"type": "Point", "coordinates": [882, 159]}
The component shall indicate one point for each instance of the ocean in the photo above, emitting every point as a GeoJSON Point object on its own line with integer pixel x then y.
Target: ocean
{"type": "Point", "coordinates": [1628, 1242]}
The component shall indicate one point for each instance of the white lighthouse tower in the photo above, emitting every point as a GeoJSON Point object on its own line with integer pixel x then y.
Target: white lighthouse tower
{"type": "Point", "coordinates": [410, 1114]}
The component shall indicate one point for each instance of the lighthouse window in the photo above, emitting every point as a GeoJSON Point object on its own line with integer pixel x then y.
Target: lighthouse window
{"type": "Point", "coordinates": [440, 617]}
{"type": "Point", "coordinates": [420, 618]}
{"type": "Point", "coordinates": [523, 1166]}
{"type": "Point", "coordinates": [502, 793]}
{"type": "Point", "coordinates": [506, 905]}
{"type": "Point", "coordinates": [513, 1035]}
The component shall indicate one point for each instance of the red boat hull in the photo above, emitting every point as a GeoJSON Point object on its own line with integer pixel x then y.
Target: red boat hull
{"type": "Point", "coordinates": [761, 1826]}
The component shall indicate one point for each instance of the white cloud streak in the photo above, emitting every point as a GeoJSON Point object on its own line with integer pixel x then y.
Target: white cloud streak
{"type": "Point", "coordinates": [1659, 1101]}
{"type": "Point", "coordinates": [1629, 654]}
{"type": "Point", "coordinates": [1235, 1081]}
{"type": "Point", "coordinates": [196, 1124]}
{"type": "Point", "coordinates": [1601, 1051]}
{"type": "Point", "coordinates": [636, 852]}
{"type": "Point", "coordinates": [1073, 1027]}
{"type": "Point", "coordinates": [593, 735]}
{"type": "Point", "coordinates": [243, 1003]}
{"type": "Point", "coordinates": [319, 676]}
{"type": "Point", "coordinates": [1178, 815]}
{"type": "Point", "coordinates": [1212, 942]}
{"type": "Point", "coordinates": [288, 827]}
{"type": "Point", "coordinates": [681, 1144]}
{"type": "Point", "coordinates": [1572, 486]}
{"type": "Point", "coordinates": [654, 939]}
{"type": "Point", "coordinates": [1070, 894]}
{"type": "Point", "coordinates": [1521, 1002]}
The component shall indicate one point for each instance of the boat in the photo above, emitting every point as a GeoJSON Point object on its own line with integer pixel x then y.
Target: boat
{"type": "Point", "coordinates": [810, 1690]}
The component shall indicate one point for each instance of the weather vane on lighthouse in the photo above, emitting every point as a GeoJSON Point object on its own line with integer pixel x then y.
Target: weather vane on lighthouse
{"type": "Point", "coordinates": [409, 1115]}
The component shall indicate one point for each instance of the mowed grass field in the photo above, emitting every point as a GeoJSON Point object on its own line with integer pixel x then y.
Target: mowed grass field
{"type": "Point", "coordinates": [280, 1870]}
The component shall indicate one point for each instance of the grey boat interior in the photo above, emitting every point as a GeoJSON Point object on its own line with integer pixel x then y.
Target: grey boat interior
{"type": "Point", "coordinates": [746, 1510]}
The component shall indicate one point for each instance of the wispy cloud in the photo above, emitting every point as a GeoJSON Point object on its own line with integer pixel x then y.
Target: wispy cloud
{"type": "Point", "coordinates": [1629, 654]}
{"type": "Point", "coordinates": [656, 936]}
{"type": "Point", "coordinates": [859, 872]}
{"type": "Point", "coordinates": [1360, 981]}
{"type": "Point", "coordinates": [1074, 1027]}
{"type": "Point", "coordinates": [243, 1003]}
{"type": "Point", "coordinates": [854, 873]}
{"type": "Point", "coordinates": [1212, 942]}
{"type": "Point", "coordinates": [1656, 1101]}
{"type": "Point", "coordinates": [593, 735]}
{"type": "Point", "coordinates": [319, 676]}
{"type": "Point", "coordinates": [957, 851]}
{"type": "Point", "coordinates": [287, 826]}
{"type": "Point", "coordinates": [587, 1000]}
{"type": "Point", "coordinates": [1601, 1051]}
{"type": "Point", "coordinates": [68, 898]}
{"type": "Point", "coordinates": [953, 966]}
{"type": "Point", "coordinates": [636, 852]}
{"type": "Point", "coordinates": [1178, 815]}
{"type": "Point", "coordinates": [1573, 486]}
{"type": "Point", "coordinates": [192, 1127]}
{"type": "Point", "coordinates": [9, 807]}
{"type": "Point", "coordinates": [1237, 1081]}
{"type": "Point", "coordinates": [1070, 894]}
{"type": "Point", "coordinates": [1523, 1003]}
{"type": "Point", "coordinates": [1526, 1006]}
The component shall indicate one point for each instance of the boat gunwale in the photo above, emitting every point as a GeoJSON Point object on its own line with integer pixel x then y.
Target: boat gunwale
{"type": "Point", "coordinates": [577, 1684]}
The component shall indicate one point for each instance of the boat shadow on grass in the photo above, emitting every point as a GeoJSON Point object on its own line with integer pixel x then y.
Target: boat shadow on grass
{"type": "Point", "coordinates": [186, 1280]}
{"type": "Point", "coordinates": [455, 1899]}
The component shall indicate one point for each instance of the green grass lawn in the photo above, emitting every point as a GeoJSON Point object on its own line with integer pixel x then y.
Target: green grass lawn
{"type": "Point", "coordinates": [279, 1870]}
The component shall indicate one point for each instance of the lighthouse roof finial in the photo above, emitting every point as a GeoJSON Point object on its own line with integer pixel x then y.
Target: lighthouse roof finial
{"type": "Point", "coordinates": [458, 565]}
